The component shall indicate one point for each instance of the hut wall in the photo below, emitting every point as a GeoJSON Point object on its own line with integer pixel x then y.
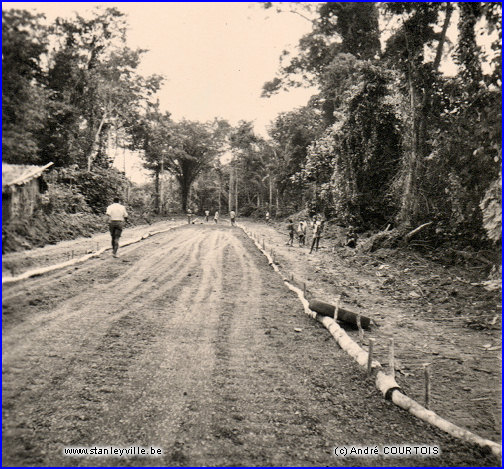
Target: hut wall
{"type": "Point", "coordinates": [19, 201]}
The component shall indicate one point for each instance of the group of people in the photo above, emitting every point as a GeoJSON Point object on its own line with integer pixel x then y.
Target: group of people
{"type": "Point", "coordinates": [118, 216]}
{"type": "Point", "coordinates": [317, 227]}
{"type": "Point", "coordinates": [232, 216]}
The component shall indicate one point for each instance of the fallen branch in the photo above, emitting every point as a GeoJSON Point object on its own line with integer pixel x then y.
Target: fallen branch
{"type": "Point", "coordinates": [416, 230]}
{"type": "Point", "coordinates": [473, 257]}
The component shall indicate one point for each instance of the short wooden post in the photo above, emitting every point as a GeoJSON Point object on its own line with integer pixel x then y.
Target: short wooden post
{"type": "Point", "coordinates": [359, 327]}
{"type": "Point", "coordinates": [391, 358]}
{"type": "Point", "coordinates": [72, 254]}
{"type": "Point", "coordinates": [336, 307]}
{"type": "Point", "coordinates": [370, 356]}
{"type": "Point", "coordinates": [426, 367]}
{"type": "Point", "coordinates": [304, 289]}
{"type": "Point", "coordinates": [263, 244]}
{"type": "Point", "coordinates": [292, 278]}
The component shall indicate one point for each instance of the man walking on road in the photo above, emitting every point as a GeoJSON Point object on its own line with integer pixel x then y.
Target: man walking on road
{"type": "Point", "coordinates": [232, 216]}
{"type": "Point", "coordinates": [117, 217]}
{"type": "Point", "coordinates": [290, 229]}
{"type": "Point", "coordinates": [216, 217]}
{"type": "Point", "coordinates": [302, 232]}
{"type": "Point", "coordinates": [318, 228]}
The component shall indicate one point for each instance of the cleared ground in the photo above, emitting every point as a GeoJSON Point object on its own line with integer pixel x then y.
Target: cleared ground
{"type": "Point", "coordinates": [188, 342]}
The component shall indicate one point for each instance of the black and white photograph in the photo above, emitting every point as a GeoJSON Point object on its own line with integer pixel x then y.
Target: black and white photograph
{"type": "Point", "coordinates": [251, 234]}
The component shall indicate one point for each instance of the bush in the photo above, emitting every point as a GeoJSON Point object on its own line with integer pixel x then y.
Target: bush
{"type": "Point", "coordinates": [491, 206]}
{"type": "Point", "coordinates": [62, 198]}
{"type": "Point", "coordinates": [98, 187]}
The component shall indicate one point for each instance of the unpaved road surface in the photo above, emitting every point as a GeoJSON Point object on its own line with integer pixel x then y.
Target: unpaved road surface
{"type": "Point", "coordinates": [189, 342]}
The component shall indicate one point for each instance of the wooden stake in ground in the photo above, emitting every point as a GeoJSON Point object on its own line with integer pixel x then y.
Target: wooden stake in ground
{"type": "Point", "coordinates": [336, 307]}
{"type": "Point", "coordinates": [426, 367]}
{"type": "Point", "coordinates": [304, 289]}
{"type": "Point", "coordinates": [391, 358]}
{"type": "Point", "coordinates": [292, 278]}
{"type": "Point", "coordinates": [370, 356]}
{"type": "Point", "coordinates": [263, 244]}
{"type": "Point", "coordinates": [361, 331]}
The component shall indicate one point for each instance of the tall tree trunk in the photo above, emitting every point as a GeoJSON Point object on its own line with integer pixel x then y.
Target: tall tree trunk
{"type": "Point", "coordinates": [95, 144]}
{"type": "Point", "coordinates": [230, 198]}
{"type": "Point", "coordinates": [270, 191]}
{"type": "Point", "coordinates": [185, 189]}
{"type": "Point", "coordinates": [420, 108]}
{"type": "Point", "coordinates": [156, 190]}
{"type": "Point", "coordinates": [220, 191]}
{"type": "Point", "coordinates": [236, 191]}
{"type": "Point", "coordinates": [161, 201]}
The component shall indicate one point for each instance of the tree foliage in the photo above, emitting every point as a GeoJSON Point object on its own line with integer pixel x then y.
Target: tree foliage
{"type": "Point", "coordinates": [24, 97]}
{"type": "Point", "coordinates": [66, 88]}
{"type": "Point", "coordinates": [404, 143]}
{"type": "Point", "coordinates": [193, 148]}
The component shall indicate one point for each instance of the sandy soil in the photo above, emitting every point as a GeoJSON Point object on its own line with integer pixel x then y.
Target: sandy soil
{"type": "Point", "coordinates": [188, 342]}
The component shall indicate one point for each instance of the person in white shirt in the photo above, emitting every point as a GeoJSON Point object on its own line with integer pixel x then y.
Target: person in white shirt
{"type": "Point", "coordinates": [232, 216]}
{"type": "Point", "coordinates": [207, 214]}
{"type": "Point", "coordinates": [216, 217]}
{"type": "Point", "coordinates": [117, 217]}
{"type": "Point", "coordinates": [302, 232]}
{"type": "Point", "coordinates": [318, 228]}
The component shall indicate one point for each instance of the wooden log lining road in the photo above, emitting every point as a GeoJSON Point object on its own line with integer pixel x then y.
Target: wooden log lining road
{"type": "Point", "coordinates": [385, 382]}
{"type": "Point", "coordinates": [343, 314]}
{"type": "Point", "coordinates": [190, 343]}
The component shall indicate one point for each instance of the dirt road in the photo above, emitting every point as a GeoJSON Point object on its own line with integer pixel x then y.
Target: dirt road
{"type": "Point", "coordinates": [190, 343]}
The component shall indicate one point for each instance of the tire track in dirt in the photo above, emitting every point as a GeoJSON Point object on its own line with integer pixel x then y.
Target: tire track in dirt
{"type": "Point", "coordinates": [133, 282]}
{"type": "Point", "coordinates": [28, 356]}
{"type": "Point", "coordinates": [173, 379]}
{"type": "Point", "coordinates": [107, 288]}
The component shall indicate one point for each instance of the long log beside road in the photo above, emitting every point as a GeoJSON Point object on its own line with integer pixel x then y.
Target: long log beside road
{"type": "Point", "coordinates": [326, 309]}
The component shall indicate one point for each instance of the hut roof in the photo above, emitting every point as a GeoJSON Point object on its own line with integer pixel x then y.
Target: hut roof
{"type": "Point", "coordinates": [17, 174]}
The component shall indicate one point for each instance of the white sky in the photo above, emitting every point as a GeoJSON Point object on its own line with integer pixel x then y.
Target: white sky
{"type": "Point", "coordinates": [215, 56]}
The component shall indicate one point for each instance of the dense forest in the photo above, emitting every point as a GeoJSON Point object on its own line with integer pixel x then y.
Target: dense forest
{"type": "Point", "coordinates": [405, 130]}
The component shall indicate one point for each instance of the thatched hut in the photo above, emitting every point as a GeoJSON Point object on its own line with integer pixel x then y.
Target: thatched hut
{"type": "Point", "coordinates": [21, 186]}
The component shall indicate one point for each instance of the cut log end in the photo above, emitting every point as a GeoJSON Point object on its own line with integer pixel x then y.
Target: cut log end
{"type": "Point", "coordinates": [349, 317]}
